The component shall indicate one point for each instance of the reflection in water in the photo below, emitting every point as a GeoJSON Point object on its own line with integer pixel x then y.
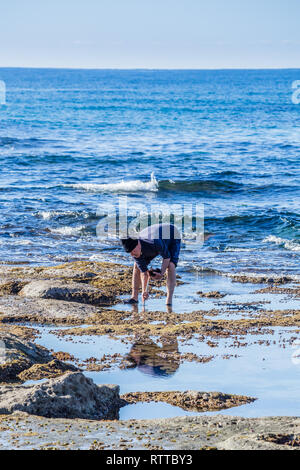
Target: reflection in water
{"type": "Point", "coordinates": [135, 309]}
{"type": "Point", "coordinates": [155, 360]}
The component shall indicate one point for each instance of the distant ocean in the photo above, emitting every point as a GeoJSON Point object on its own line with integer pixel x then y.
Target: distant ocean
{"type": "Point", "coordinates": [71, 140]}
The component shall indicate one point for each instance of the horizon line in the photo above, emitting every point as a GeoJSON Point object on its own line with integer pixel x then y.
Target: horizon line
{"type": "Point", "coordinates": [149, 68]}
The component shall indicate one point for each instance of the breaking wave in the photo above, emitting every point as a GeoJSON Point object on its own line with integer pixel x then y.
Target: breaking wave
{"type": "Point", "coordinates": [121, 187]}
{"type": "Point", "coordinates": [287, 244]}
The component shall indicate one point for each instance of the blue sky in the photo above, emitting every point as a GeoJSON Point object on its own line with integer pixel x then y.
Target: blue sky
{"type": "Point", "coordinates": [150, 33]}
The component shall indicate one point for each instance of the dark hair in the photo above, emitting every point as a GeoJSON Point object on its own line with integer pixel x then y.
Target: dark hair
{"type": "Point", "coordinates": [129, 244]}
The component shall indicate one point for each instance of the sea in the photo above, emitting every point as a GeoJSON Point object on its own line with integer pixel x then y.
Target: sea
{"type": "Point", "coordinates": [73, 142]}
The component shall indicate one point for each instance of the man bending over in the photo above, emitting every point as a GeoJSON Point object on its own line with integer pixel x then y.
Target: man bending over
{"type": "Point", "coordinates": [159, 239]}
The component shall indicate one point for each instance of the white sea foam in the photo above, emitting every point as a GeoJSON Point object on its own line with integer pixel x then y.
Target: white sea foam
{"type": "Point", "coordinates": [262, 275]}
{"type": "Point", "coordinates": [287, 244]}
{"type": "Point", "coordinates": [237, 250]}
{"type": "Point", "coordinates": [47, 215]}
{"type": "Point", "coordinates": [122, 187]}
{"type": "Point", "coordinates": [68, 231]}
{"type": "Point", "coordinates": [20, 241]}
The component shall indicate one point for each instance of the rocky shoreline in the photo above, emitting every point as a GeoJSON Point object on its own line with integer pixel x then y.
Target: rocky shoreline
{"type": "Point", "coordinates": [23, 431]}
{"type": "Point", "coordinates": [85, 293]}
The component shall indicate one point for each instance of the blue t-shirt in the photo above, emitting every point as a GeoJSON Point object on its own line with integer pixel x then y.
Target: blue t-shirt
{"type": "Point", "coordinates": [156, 240]}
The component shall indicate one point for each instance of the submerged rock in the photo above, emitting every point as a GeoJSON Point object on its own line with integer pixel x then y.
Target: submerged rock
{"type": "Point", "coordinates": [211, 295]}
{"type": "Point", "coordinates": [190, 400]}
{"type": "Point", "coordinates": [71, 396]}
{"type": "Point", "coordinates": [59, 290]}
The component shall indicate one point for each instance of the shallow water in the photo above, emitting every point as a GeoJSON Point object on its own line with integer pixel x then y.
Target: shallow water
{"type": "Point", "coordinates": [265, 372]}
{"type": "Point", "coordinates": [265, 368]}
{"type": "Point", "coordinates": [187, 299]}
{"type": "Point", "coordinates": [81, 347]}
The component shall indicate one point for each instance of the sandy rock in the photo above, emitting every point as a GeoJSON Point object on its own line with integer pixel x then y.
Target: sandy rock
{"type": "Point", "coordinates": [71, 396]}
{"type": "Point", "coordinates": [258, 442]}
{"type": "Point", "coordinates": [60, 290]}
{"type": "Point", "coordinates": [23, 332]}
{"type": "Point", "coordinates": [111, 278]}
{"type": "Point", "coordinates": [49, 370]}
{"type": "Point", "coordinates": [260, 279]}
{"type": "Point", "coordinates": [11, 287]}
{"type": "Point", "coordinates": [79, 270]}
{"type": "Point", "coordinates": [21, 360]}
{"type": "Point", "coordinates": [17, 355]}
{"type": "Point", "coordinates": [22, 309]}
{"type": "Point", "coordinates": [274, 289]}
{"type": "Point", "coordinates": [83, 282]}
{"type": "Point", "coordinates": [185, 433]}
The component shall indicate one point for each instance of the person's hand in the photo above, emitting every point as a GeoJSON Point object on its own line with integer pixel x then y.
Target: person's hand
{"type": "Point", "coordinates": [157, 276]}
{"type": "Point", "coordinates": [145, 296]}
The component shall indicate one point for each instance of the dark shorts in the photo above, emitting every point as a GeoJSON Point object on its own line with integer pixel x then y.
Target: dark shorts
{"type": "Point", "coordinates": [174, 249]}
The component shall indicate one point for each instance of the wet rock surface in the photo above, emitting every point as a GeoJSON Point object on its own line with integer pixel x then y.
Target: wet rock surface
{"type": "Point", "coordinates": [18, 309]}
{"type": "Point", "coordinates": [280, 290]}
{"type": "Point", "coordinates": [19, 357]}
{"type": "Point", "coordinates": [112, 279]}
{"type": "Point", "coordinates": [69, 293]}
{"type": "Point", "coordinates": [189, 433]}
{"type": "Point", "coordinates": [51, 369]}
{"type": "Point", "coordinates": [11, 287]}
{"type": "Point", "coordinates": [71, 396]}
{"type": "Point", "coordinates": [211, 295]}
{"type": "Point", "coordinates": [59, 290]}
{"type": "Point", "coordinates": [292, 440]}
{"type": "Point", "coordinates": [186, 325]}
{"type": "Point", "coordinates": [190, 400]}
{"type": "Point", "coordinates": [261, 279]}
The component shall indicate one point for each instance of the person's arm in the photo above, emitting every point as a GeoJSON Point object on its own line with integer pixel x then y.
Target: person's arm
{"type": "Point", "coordinates": [163, 250]}
{"type": "Point", "coordinates": [144, 273]}
{"type": "Point", "coordinates": [145, 280]}
{"type": "Point", "coordinates": [164, 266]}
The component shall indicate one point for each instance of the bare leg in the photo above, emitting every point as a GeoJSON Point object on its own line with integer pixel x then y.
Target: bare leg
{"type": "Point", "coordinates": [171, 283]}
{"type": "Point", "coordinates": [136, 282]}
